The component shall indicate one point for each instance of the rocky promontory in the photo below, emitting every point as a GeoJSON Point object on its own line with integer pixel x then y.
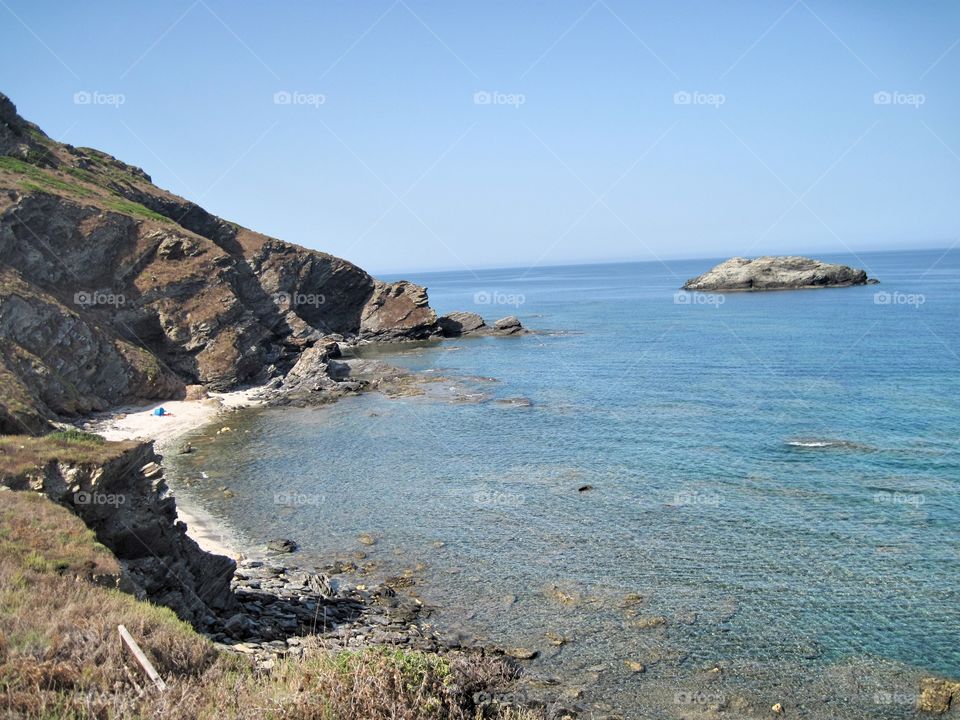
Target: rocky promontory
{"type": "Point", "coordinates": [114, 291]}
{"type": "Point", "coordinates": [776, 273]}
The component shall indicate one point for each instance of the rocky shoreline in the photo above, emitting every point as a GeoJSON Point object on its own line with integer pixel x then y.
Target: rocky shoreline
{"type": "Point", "coordinates": [273, 607]}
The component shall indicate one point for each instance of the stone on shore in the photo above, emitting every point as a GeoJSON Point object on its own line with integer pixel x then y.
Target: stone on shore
{"type": "Point", "coordinates": [520, 653]}
{"type": "Point", "coordinates": [936, 695]}
{"type": "Point", "coordinates": [776, 273]}
{"type": "Point", "coordinates": [281, 545]}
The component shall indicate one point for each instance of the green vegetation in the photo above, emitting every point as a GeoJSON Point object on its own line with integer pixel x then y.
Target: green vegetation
{"type": "Point", "coordinates": [14, 396]}
{"type": "Point", "coordinates": [37, 179]}
{"type": "Point", "coordinates": [41, 179]}
{"type": "Point", "coordinates": [128, 207]}
{"type": "Point", "coordinates": [85, 175]}
{"type": "Point", "coordinates": [76, 437]}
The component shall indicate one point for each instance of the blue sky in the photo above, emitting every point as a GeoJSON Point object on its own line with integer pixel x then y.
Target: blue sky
{"type": "Point", "coordinates": [423, 135]}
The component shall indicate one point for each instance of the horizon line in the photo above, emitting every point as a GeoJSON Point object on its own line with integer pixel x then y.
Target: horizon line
{"type": "Point", "coordinates": [589, 263]}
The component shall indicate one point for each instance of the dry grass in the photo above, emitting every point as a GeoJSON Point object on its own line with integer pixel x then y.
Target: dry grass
{"type": "Point", "coordinates": [22, 453]}
{"type": "Point", "coordinates": [59, 650]}
{"type": "Point", "coordinates": [61, 659]}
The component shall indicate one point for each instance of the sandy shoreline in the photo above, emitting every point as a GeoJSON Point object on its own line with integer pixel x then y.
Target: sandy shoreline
{"type": "Point", "coordinates": [181, 417]}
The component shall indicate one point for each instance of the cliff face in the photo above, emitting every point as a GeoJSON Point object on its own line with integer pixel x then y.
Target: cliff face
{"type": "Point", "coordinates": [118, 490]}
{"type": "Point", "coordinates": [112, 289]}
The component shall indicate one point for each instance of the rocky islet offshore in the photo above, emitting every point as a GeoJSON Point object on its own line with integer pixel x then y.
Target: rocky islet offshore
{"type": "Point", "coordinates": [776, 273]}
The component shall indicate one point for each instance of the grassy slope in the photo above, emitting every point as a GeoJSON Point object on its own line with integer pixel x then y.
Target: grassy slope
{"type": "Point", "coordinates": [60, 656]}
{"type": "Point", "coordinates": [73, 183]}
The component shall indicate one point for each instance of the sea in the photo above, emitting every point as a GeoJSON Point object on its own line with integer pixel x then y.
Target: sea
{"type": "Point", "coordinates": [755, 496]}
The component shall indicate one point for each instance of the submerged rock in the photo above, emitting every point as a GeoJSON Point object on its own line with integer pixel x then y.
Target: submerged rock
{"type": "Point", "coordinates": [776, 273]}
{"type": "Point", "coordinates": [645, 623]}
{"type": "Point", "coordinates": [282, 545]}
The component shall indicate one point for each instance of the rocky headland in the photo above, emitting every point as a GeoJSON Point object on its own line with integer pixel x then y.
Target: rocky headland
{"type": "Point", "coordinates": [116, 292]}
{"type": "Point", "coordinates": [113, 290]}
{"type": "Point", "coordinates": [776, 273]}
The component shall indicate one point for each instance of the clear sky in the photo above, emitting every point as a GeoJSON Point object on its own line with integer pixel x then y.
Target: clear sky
{"type": "Point", "coordinates": [429, 134]}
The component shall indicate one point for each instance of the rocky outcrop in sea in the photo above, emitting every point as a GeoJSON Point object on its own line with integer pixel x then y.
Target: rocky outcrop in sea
{"type": "Point", "coordinates": [776, 273]}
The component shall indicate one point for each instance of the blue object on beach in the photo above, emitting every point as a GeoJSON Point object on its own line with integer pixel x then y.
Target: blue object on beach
{"type": "Point", "coordinates": [159, 412]}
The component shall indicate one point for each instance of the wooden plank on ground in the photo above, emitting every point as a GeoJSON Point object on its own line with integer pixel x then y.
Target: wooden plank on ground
{"type": "Point", "coordinates": [141, 658]}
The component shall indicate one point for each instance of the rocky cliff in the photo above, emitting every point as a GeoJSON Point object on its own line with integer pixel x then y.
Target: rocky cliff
{"type": "Point", "coordinates": [776, 273]}
{"type": "Point", "coordinates": [114, 290]}
{"type": "Point", "coordinates": [118, 490]}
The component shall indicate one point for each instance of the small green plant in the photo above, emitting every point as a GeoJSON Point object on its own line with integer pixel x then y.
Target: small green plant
{"type": "Point", "coordinates": [36, 562]}
{"type": "Point", "coordinates": [77, 437]}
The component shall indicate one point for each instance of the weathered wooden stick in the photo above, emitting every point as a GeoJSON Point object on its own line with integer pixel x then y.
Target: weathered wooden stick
{"type": "Point", "coordinates": [141, 658]}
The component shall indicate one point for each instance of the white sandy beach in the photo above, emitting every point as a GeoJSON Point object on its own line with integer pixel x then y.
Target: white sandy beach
{"type": "Point", "coordinates": [181, 416]}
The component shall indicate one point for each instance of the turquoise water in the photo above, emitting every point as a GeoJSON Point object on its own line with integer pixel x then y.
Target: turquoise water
{"type": "Point", "coordinates": [776, 474]}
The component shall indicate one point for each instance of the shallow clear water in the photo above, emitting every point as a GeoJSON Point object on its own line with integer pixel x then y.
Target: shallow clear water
{"type": "Point", "coordinates": [777, 475]}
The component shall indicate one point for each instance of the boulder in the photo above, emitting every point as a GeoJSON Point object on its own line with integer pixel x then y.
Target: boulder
{"type": "Point", "coordinates": [398, 311]}
{"type": "Point", "coordinates": [460, 323]}
{"type": "Point", "coordinates": [195, 392]}
{"type": "Point", "coordinates": [937, 695]}
{"type": "Point", "coordinates": [509, 325]}
{"type": "Point", "coordinates": [281, 545]}
{"type": "Point", "coordinates": [520, 653]}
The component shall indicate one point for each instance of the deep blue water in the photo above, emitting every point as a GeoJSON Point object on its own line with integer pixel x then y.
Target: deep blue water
{"type": "Point", "coordinates": [776, 473]}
